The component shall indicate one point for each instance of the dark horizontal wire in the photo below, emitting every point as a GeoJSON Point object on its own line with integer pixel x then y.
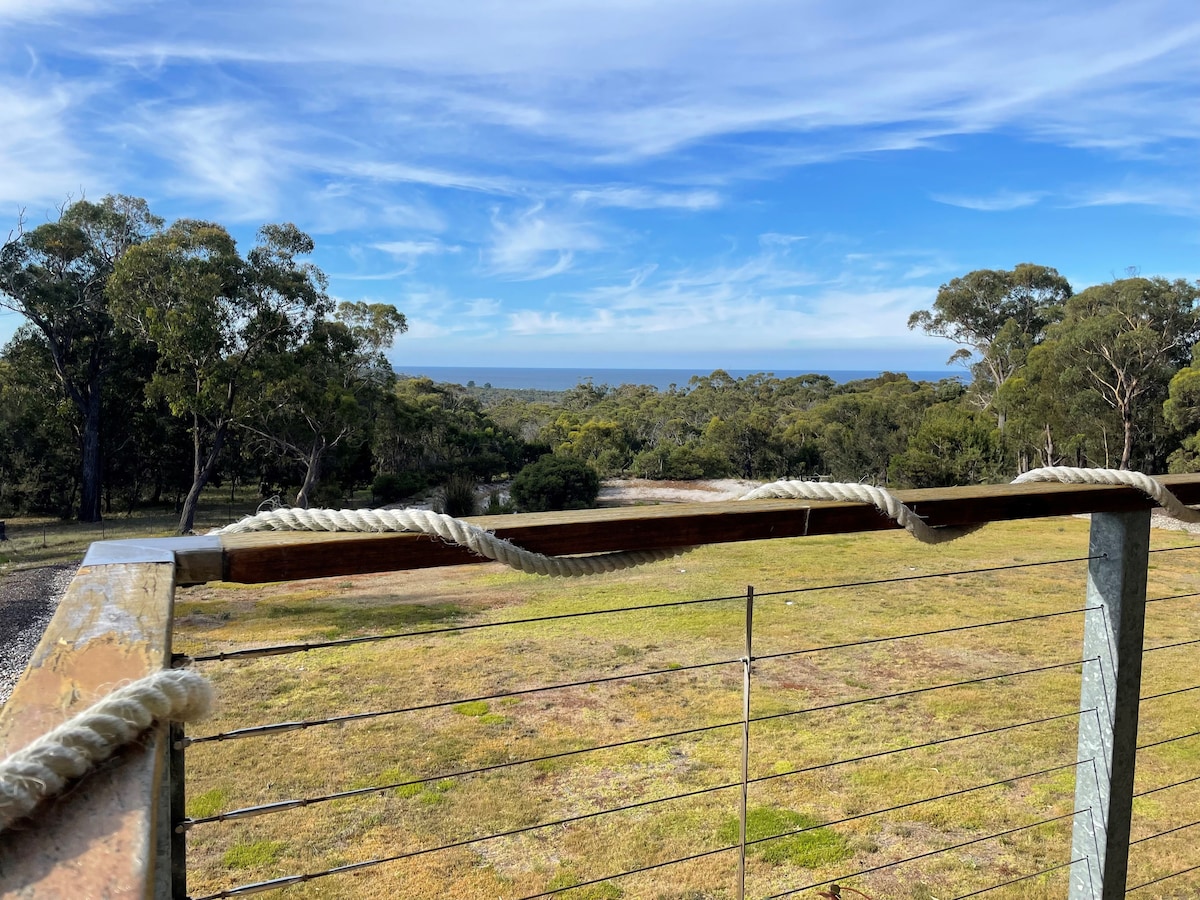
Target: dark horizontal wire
{"type": "Point", "coordinates": [1169, 646]}
{"type": "Point", "coordinates": [1138, 887]}
{"type": "Point", "coordinates": [1181, 737]}
{"type": "Point", "coordinates": [1170, 693]}
{"type": "Point", "coordinates": [1172, 596]}
{"type": "Point", "coordinates": [283, 649]}
{"type": "Point", "coordinates": [917, 634]}
{"type": "Point", "coordinates": [934, 743]}
{"type": "Point", "coordinates": [908, 693]}
{"type": "Point", "coordinates": [661, 865]}
{"type": "Point", "coordinates": [284, 805]}
{"type": "Point", "coordinates": [909, 859]}
{"type": "Point", "coordinates": [996, 887]}
{"type": "Point", "coordinates": [911, 803]}
{"type": "Point", "coordinates": [899, 578]}
{"type": "Point", "coordinates": [1176, 549]}
{"type": "Point", "coordinates": [368, 863]}
{"type": "Point", "coordinates": [1167, 786]}
{"type": "Point", "coordinates": [1161, 833]}
{"type": "Point", "coordinates": [277, 728]}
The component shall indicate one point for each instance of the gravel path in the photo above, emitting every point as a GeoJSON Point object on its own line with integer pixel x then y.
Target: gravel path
{"type": "Point", "coordinates": [28, 598]}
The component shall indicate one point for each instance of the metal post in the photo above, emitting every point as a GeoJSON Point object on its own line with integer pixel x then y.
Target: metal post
{"type": "Point", "coordinates": [747, 660]}
{"type": "Point", "coordinates": [1111, 685]}
{"type": "Point", "coordinates": [178, 813]}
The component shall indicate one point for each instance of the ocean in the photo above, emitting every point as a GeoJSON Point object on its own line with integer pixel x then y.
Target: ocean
{"type": "Point", "coordinates": [565, 379]}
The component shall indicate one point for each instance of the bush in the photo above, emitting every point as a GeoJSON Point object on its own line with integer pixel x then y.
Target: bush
{"type": "Point", "coordinates": [555, 482]}
{"type": "Point", "coordinates": [390, 488]}
{"type": "Point", "coordinates": [458, 496]}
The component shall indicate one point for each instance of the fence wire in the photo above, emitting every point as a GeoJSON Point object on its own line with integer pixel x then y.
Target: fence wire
{"type": "Point", "coordinates": [746, 661]}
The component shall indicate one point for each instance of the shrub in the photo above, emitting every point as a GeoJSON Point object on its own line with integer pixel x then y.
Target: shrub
{"type": "Point", "coordinates": [555, 482]}
{"type": "Point", "coordinates": [390, 488]}
{"type": "Point", "coordinates": [458, 496]}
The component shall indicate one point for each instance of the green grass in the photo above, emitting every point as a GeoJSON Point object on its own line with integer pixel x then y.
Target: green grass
{"type": "Point", "coordinates": [458, 736]}
{"type": "Point", "coordinates": [253, 856]}
{"type": "Point", "coordinates": [771, 835]}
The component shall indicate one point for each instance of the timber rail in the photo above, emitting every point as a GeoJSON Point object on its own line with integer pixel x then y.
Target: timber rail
{"type": "Point", "coordinates": [110, 835]}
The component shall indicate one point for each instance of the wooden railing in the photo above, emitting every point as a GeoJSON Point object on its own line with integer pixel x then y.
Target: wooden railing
{"type": "Point", "coordinates": [110, 834]}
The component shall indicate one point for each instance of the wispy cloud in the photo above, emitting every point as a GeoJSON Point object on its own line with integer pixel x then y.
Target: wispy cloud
{"type": "Point", "coordinates": [536, 244]}
{"type": "Point", "coordinates": [1000, 201]}
{"type": "Point", "coordinates": [230, 153]}
{"type": "Point", "coordinates": [1178, 198]}
{"type": "Point", "coordinates": [39, 158]}
{"type": "Point", "coordinates": [648, 198]}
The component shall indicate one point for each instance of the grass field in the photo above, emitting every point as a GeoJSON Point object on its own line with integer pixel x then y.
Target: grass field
{"type": "Point", "coordinates": [798, 791]}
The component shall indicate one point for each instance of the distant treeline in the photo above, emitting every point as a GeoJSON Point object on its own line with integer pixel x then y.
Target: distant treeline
{"type": "Point", "coordinates": [158, 360]}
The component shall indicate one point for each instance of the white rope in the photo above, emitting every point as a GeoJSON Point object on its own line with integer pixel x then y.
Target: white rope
{"type": "Point", "coordinates": [456, 531]}
{"type": "Point", "coordinates": [486, 544]}
{"type": "Point", "coordinates": [882, 500]}
{"type": "Point", "coordinates": [43, 768]}
{"type": "Point", "coordinates": [1171, 504]}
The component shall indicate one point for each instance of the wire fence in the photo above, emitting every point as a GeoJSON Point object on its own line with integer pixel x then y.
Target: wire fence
{"type": "Point", "coordinates": [775, 741]}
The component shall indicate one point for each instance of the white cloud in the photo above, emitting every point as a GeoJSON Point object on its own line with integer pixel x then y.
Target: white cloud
{"type": "Point", "coordinates": [626, 80]}
{"type": "Point", "coordinates": [228, 153]}
{"type": "Point", "coordinates": [1000, 201]}
{"type": "Point", "coordinates": [647, 198]}
{"type": "Point", "coordinates": [1180, 198]}
{"type": "Point", "coordinates": [414, 249]}
{"type": "Point", "coordinates": [39, 158]}
{"type": "Point", "coordinates": [536, 244]}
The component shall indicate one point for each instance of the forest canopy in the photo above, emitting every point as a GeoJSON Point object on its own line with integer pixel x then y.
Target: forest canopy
{"type": "Point", "coordinates": [157, 360]}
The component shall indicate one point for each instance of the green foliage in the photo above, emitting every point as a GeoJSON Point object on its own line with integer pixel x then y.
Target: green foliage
{"type": "Point", "coordinates": [813, 847]}
{"type": "Point", "coordinates": [458, 497]}
{"type": "Point", "coordinates": [555, 482]}
{"type": "Point", "coordinates": [392, 487]}
{"type": "Point", "coordinates": [952, 445]}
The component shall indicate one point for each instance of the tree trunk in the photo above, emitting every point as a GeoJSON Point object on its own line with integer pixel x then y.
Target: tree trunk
{"type": "Point", "coordinates": [1127, 449]}
{"type": "Point", "coordinates": [312, 471]}
{"type": "Point", "coordinates": [90, 472]}
{"type": "Point", "coordinates": [202, 468]}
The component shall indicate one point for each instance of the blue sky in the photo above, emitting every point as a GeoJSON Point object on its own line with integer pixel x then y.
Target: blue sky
{"type": "Point", "coordinates": [765, 184]}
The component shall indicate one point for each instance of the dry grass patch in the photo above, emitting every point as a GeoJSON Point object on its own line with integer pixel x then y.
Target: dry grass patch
{"type": "Point", "coordinates": [473, 705]}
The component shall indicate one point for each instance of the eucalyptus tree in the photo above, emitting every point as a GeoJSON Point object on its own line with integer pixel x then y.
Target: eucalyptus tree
{"type": "Point", "coordinates": [316, 398]}
{"type": "Point", "coordinates": [997, 316]}
{"type": "Point", "coordinates": [1125, 340]}
{"type": "Point", "coordinates": [213, 317]}
{"type": "Point", "coordinates": [56, 276]}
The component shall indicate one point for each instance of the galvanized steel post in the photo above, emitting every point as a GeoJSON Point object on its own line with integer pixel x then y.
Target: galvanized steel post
{"type": "Point", "coordinates": [1111, 685]}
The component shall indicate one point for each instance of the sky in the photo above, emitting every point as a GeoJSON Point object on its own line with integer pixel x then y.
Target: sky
{"type": "Point", "coordinates": [751, 184]}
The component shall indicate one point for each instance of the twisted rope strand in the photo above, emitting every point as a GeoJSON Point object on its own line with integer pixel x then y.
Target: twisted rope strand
{"type": "Point", "coordinates": [486, 544]}
{"type": "Point", "coordinates": [455, 531]}
{"type": "Point", "coordinates": [44, 767]}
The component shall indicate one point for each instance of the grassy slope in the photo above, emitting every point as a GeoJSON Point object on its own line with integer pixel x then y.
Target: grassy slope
{"type": "Point", "coordinates": [472, 663]}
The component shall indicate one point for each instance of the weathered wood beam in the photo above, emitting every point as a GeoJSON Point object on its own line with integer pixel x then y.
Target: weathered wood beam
{"type": "Point", "coordinates": [284, 556]}
{"type": "Point", "coordinates": [112, 626]}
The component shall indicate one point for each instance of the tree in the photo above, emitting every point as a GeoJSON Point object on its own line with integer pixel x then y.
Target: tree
{"type": "Point", "coordinates": [213, 318]}
{"type": "Point", "coordinates": [313, 399]}
{"type": "Point", "coordinates": [997, 315]}
{"type": "Point", "coordinates": [555, 482]}
{"type": "Point", "coordinates": [1124, 340]}
{"type": "Point", "coordinates": [951, 446]}
{"type": "Point", "coordinates": [56, 276]}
